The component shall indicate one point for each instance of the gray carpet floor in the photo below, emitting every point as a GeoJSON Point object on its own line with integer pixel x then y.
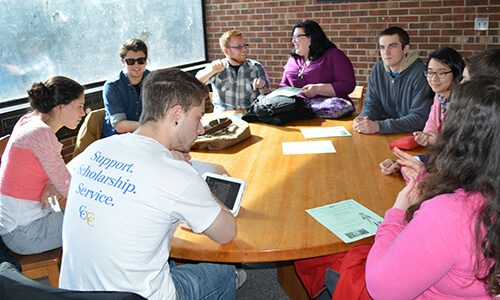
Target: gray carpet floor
{"type": "Point", "coordinates": [261, 283]}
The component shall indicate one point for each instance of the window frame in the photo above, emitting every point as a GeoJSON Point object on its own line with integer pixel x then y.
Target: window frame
{"type": "Point", "coordinates": [12, 109]}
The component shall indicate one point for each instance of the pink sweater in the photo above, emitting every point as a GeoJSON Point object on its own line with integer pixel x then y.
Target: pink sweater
{"type": "Point", "coordinates": [31, 159]}
{"type": "Point", "coordinates": [434, 121]}
{"type": "Point", "coordinates": [431, 257]}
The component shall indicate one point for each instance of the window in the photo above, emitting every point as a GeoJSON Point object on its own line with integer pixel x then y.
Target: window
{"type": "Point", "coordinates": [80, 39]}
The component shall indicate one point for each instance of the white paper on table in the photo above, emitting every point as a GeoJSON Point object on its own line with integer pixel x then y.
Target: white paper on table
{"type": "Point", "coordinates": [307, 147]}
{"type": "Point", "coordinates": [286, 91]}
{"type": "Point", "coordinates": [348, 220]}
{"type": "Point", "coordinates": [325, 132]}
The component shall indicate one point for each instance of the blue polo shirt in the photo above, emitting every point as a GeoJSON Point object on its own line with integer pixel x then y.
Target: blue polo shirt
{"type": "Point", "coordinates": [121, 101]}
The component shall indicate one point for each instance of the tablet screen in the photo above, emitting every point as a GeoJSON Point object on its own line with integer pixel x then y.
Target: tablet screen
{"type": "Point", "coordinates": [225, 191]}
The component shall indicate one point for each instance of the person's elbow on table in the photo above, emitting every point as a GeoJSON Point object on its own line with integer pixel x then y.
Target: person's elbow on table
{"type": "Point", "coordinates": [223, 230]}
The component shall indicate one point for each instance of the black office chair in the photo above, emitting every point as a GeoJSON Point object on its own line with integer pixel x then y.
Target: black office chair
{"type": "Point", "coordinates": [15, 286]}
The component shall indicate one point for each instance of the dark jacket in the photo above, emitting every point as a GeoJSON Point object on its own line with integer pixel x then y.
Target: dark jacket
{"type": "Point", "coordinates": [404, 101]}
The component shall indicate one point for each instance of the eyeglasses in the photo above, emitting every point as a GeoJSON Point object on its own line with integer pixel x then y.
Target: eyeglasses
{"type": "Point", "coordinates": [296, 37]}
{"type": "Point", "coordinates": [131, 61]}
{"type": "Point", "coordinates": [239, 47]}
{"type": "Point", "coordinates": [440, 75]}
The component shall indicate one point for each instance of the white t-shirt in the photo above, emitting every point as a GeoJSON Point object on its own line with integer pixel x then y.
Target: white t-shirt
{"type": "Point", "coordinates": [126, 195]}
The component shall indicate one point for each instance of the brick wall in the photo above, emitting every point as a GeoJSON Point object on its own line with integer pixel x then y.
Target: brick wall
{"type": "Point", "coordinates": [353, 26]}
{"type": "Point", "coordinates": [68, 147]}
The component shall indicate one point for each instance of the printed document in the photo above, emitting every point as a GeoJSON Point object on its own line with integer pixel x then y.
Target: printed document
{"type": "Point", "coordinates": [286, 91]}
{"type": "Point", "coordinates": [348, 220]}
{"type": "Point", "coordinates": [307, 147]}
{"type": "Point", "coordinates": [325, 132]}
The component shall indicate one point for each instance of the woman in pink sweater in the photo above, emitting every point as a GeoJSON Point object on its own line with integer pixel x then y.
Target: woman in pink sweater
{"type": "Point", "coordinates": [32, 169]}
{"type": "Point", "coordinates": [444, 69]}
{"type": "Point", "coordinates": [441, 239]}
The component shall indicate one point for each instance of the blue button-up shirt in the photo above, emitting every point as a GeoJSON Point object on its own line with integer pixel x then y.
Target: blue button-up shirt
{"type": "Point", "coordinates": [122, 102]}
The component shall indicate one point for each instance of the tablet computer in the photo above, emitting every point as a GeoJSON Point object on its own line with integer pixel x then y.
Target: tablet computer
{"type": "Point", "coordinates": [227, 189]}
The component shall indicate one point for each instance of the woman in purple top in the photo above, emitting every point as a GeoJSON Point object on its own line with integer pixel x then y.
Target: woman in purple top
{"type": "Point", "coordinates": [318, 67]}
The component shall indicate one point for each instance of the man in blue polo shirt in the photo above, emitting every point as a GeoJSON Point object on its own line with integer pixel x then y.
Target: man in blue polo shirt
{"type": "Point", "coordinates": [122, 92]}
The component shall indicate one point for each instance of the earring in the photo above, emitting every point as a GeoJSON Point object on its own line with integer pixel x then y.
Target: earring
{"type": "Point", "coordinates": [176, 123]}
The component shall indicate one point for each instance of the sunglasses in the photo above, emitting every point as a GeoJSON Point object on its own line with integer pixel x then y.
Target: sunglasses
{"type": "Point", "coordinates": [131, 61]}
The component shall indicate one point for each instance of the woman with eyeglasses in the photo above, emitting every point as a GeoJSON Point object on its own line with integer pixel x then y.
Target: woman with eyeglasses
{"type": "Point", "coordinates": [441, 239]}
{"type": "Point", "coordinates": [32, 171]}
{"type": "Point", "coordinates": [320, 69]}
{"type": "Point", "coordinates": [444, 68]}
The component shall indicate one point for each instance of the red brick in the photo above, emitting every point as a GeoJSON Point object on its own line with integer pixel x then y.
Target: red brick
{"type": "Point", "coordinates": [452, 32]}
{"type": "Point", "coordinates": [474, 47]}
{"type": "Point", "coordinates": [358, 13]}
{"type": "Point", "coordinates": [398, 12]}
{"type": "Point", "coordinates": [488, 9]}
{"type": "Point", "coordinates": [368, 6]}
{"type": "Point", "coordinates": [409, 4]}
{"type": "Point", "coordinates": [389, 20]}
{"type": "Point", "coordinates": [440, 39]}
{"type": "Point", "coordinates": [480, 2]}
{"type": "Point", "coordinates": [357, 27]}
{"type": "Point", "coordinates": [409, 19]}
{"type": "Point", "coordinates": [454, 17]}
{"type": "Point", "coordinates": [419, 11]}
{"type": "Point", "coordinates": [464, 10]}
{"type": "Point", "coordinates": [378, 13]}
{"type": "Point", "coordinates": [441, 25]}
{"type": "Point", "coordinates": [368, 20]}
{"type": "Point", "coordinates": [296, 9]}
{"type": "Point", "coordinates": [463, 25]}
{"type": "Point", "coordinates": [453, 3]}
{"type": "Point", "coordinates": [430, 18]}
{"type": "Point", "coordinates": [388, 4]}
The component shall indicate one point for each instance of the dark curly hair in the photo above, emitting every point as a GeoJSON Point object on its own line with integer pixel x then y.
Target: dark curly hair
{"type": "Point", "coordinates": [319, 42]}
{"type": "Point", "coordinates": [58, 90]}
{"type": "Point", "coordinates": [468, 156]}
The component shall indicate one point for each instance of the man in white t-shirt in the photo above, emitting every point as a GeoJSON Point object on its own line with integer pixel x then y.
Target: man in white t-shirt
{"type": "Point", "coordinates": [128, 193]}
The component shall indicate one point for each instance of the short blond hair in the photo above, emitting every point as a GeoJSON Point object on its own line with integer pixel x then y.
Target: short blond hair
{"type": "Point", "coordinates": [224, 39]}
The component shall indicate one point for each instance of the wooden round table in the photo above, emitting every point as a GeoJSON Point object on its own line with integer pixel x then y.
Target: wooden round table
{"type": "Point", "coordinates": [273, 224]}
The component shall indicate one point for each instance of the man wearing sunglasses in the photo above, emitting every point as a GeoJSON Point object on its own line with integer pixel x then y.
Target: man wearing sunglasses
{"type": "Point", "coordinates": [236, 80]}
{"type": "Point", "coordinates": [122, 92]}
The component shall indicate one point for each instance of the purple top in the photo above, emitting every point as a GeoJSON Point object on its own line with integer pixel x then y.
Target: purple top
{"type": "Point", "coordinates": [333, 67]}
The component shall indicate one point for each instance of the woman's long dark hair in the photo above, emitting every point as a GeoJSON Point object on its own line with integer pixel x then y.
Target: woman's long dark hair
{"type": "Point", "coordinates": [468, 156]}
{"type": "Point", "coordinates": [319, 42]}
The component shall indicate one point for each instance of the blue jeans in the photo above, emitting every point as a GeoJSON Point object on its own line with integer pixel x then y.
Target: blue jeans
{"type": "Point", "coordinates": [40, 235]}
{"type": "Point", "coordinates": [204, 281]}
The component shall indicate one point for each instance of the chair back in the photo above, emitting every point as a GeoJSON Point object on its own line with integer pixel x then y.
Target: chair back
{"type": "Point", "coordinates": [90, 131]}
{"type": "Point", "coordinates": [358, 94]}
{"type": "Point", "coordinates": [3, 143]}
